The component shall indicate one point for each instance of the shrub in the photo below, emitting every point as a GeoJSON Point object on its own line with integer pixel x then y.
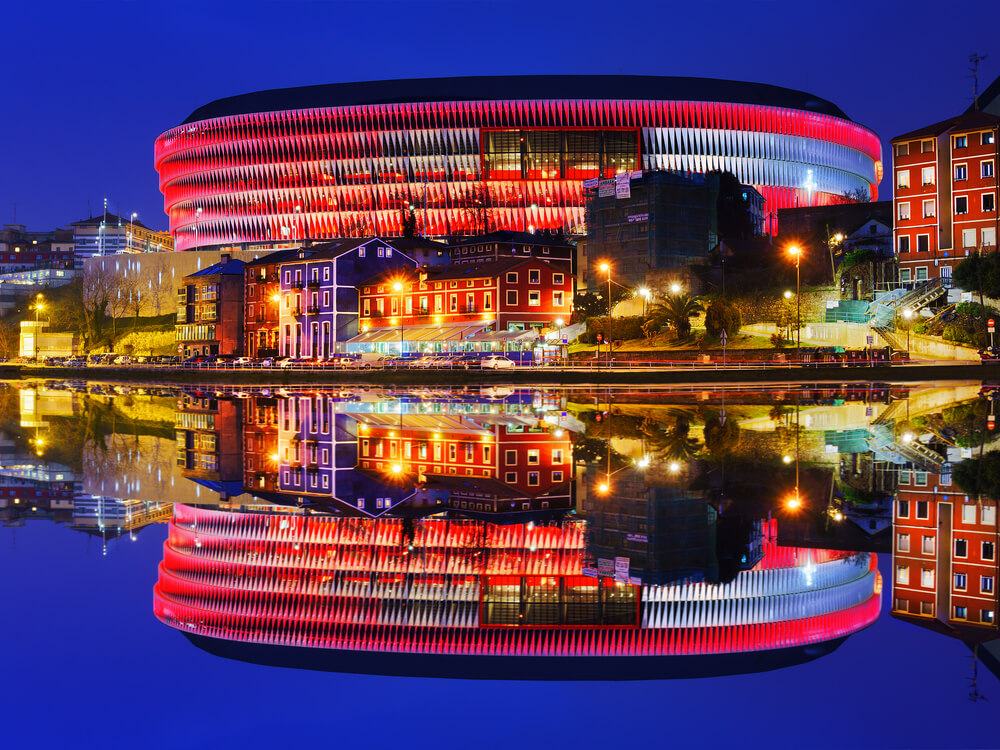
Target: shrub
{"type": "Point", "coordinates": [621, 329]}
{"type": "Point", "coordinates": [778, 341]}
{"type": "Point", "coordinates": [722, 315]}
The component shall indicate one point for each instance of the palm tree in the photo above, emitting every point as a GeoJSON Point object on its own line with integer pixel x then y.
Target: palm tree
{"type": "Point", "coordinates": [675, 310]}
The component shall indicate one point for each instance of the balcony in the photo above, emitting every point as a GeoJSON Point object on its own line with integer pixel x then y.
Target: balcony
{"type": "Point", "coordinates": [314, 283]}
{"type": "Point", "coordinates": [469, 309]}
{"type": "Point", "coordinates": [313, 310]}
{"type": "Point", "coordinates": [297, 285]}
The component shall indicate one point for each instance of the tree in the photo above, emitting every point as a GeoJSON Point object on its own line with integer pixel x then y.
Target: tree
{"type": "Point", "coordinates": [8, 338]}
{"type": "Point", "coordinates": [979, 476]}
{"type": "Point", "coordinates": [721, 435]}
{"type": "Point", "coordinates": [477, 205]}
{"type": "Point", "coordinates": [979, 269]}
{"type": "Point", "coordinates": [408, 219]}
{"type": "Point", "coordinates": [722, 315]}
{"type": "Point", "coordinates": [94, 292]}
{"type": "Point", "coordinates": [675, 310]}
{"type": "Point", "coordinates": [858, 195]}
{"type": "Point", "coordinates": [595, 304]}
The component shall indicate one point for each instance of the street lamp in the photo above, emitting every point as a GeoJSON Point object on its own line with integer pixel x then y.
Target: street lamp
{"type": "Point", "coordinates": [675, 288]}
{"type": "Point", "coordinates": [131, 230]}
{"type": "Point", "coordinates": [607, 269]}
{"type": "Point", "coordinates": [645, 294]}
{"type": "Point", "coordinates": [39, 306]}
{"type": "Point", "coordinates": [907, 314]}
{"type": "Point", "coordinates": [399, 290]}
{"type": "Point", "coordinates": [796, 252]}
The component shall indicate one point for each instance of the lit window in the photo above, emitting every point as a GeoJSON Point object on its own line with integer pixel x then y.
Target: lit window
{"type": "Point", "coordinates": [927, 578]}
{"type": "Point", "coordinates": [927, 176]}
{"type": "Point", "coordinates": [961, 172]}
{"type": "Point", "coordinates": [961, 613]}
{"type": "Point", "coordinates": [961, 581]}
{"type": "Point", "coordinates": [927, 545]}
{"type": "Point", "coordinates": [961, 141]}
{"type": "Point", "coordinates": [929, 211]}
{"type": "Point", "coordinates": [986, 584]}
{"type": "Point", "coordinates": [903, 574]}
{"type": "Point", "coordinates": [903, 178]}
{"type": "Point", "coordinates": [987, 169]}
{"type": "Point", "coordinates": [987, 138]}
{"type": "Point", "coordinates": [902, 542]}
{"type": "Point", "coordinates": [904, 211]}
{"type": "Point", "coordinates": [534, 298]}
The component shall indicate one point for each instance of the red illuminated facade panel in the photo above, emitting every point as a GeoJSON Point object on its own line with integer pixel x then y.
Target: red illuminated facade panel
{"type": "Point", "coordinates": [945, 556]}
{"type": "Point", "coordinates": [472, 588]}
{"type": "Point", "coordinates": [237, 175]}
{"type": "Point", "coordinates": [945, 196]}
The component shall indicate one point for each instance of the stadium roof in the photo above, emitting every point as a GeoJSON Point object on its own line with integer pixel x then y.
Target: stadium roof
{"type": "Point", "coordinates": [475, 88]}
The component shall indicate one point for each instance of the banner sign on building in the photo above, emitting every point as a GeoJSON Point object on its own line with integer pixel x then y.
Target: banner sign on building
{"type": "Point", "coordinates": [605, 567]}
{"type": "Point", "coordinates": [591, 183]}
{"type": "Point", "coordinates": [621, 569]}
{"type": "Point", "coordinates": [637, 538]}
{"type": "Point", "coordinates": [623, 185]}
{"type": "Point", "coordinates": [606, 188]}
{"type": "Point", "coordinates": [590, 572]}
{"type": "Point", "coordinates": [636, 218]}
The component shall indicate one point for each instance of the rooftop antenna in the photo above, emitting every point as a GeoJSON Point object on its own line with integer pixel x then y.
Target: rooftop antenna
{"type": "Point", "coordinates": [975, 59]}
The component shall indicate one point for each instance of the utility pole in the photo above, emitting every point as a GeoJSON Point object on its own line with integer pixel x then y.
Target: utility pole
{"type": "Point", "coordinates": [975, 59]}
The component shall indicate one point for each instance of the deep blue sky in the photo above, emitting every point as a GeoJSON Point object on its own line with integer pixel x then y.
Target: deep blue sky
{"type": "Point", "coordinates": [87, 86]}
{"type": "Point", "coordinates": [87, 665]}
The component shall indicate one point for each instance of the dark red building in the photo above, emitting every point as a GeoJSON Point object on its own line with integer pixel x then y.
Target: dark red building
{"type": "Point", "coordinates": [262, 299]}
{"type": "Point", "coordinates": [210, 310]}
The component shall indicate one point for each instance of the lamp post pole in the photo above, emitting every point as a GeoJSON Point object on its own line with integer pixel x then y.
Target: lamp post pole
{"type": "Point", "coordinates": [607, 268]}
{"type": "Point", "coordinates": [796, 252]}
{"type": "Point", "coordinates": [38, 308]}
{"type": "Point", "coordinates": [399, 290]}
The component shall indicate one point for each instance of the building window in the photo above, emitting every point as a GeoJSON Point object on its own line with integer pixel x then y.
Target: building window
{"type": "Point", "coordinates": [904, 275]}
{"type": "Point", "coordinates": [558, 279]}
{"type": "Point", "coordinates": [961, 172]}
{"type": "Point", "coordinates": [923, 509]}
{"type": "Point", "coordinates": [558, 300]}
{"type": "Point", "coordinates": [987, 169]}
{"type": "Point", "coordinates": [902, 149]}
{"type": "Point", "coordinates": [326, 299]}
{"type": "Point", "coordinates": [960, 581]}
{"type": "Point", "coordinates": [534, 276]}
{"type": "Point", "coordinates": [928, 207]}
{"type": "Point", "coordinates": [986, 138]}
{"type": "Point", "coordinates": [986, 584]}
{"type": "Point", "coordinates": [927, 176]}
{"type": "Point", "coordinates": [968, 238]}
{"type": "Point", "coordinates": [903, 574]}
{"type": "Point", "coordinates": [961, 548]}
{"type": "Point", "coordinates": [488, 301]}
{"type": "Point", "coordinates": [361, 252]}
{"type": "Point", "coordinates": [961, 613]}
{"type": "Point", "coordinates": [903, 509]}
{"type": "Point", "coordinates": [969, 513]}
{"type": "Point", "coordinates": [453, 303]}
{"type": "Point", "coordinates": [512, 277]}
{"type": "Point", "coordinates": [927, 147]}
{"type": "Point", "coordinates": [903, 211]}
{"type": "Point", "coordinates": [989, 515]}
{"type": "Point", "coordinates": [986, 615]}
{"type": "Point", "coordinates": [927, 578]}
{"type": "Point", "coordinates": [903, 178]}
{"type": "Point", "coordinates": [511, 297]}
{"type": "Point", "coordinates": [510, 458]}
{"type": "Point", "coordinates": [921, 274]}
{"type": "Point", "coordinates": [533, 478]}
{"type": "Point", "coordinates": [902, 542]}
{"type": "Point", "coordinates": [961, 141]}
{"type": "Point", "coordinates": [961, 205]}
{"type": "Point", "coordinates": [904, 244]}
{"type": "Point", "coordinates": [927, 545]}
{"type": "Point", "coordinates": [923, 243]}
{"type": "Point", "coordinates": [989, 202]}
{"type": "Point", "coordinates": [510, 477]}
{"type": "Point", "coordinates": [534, 298]}
{"type": "Point", "coordinates": [988, 550]}
{"type": "Point", "coordinates": [989, 235]}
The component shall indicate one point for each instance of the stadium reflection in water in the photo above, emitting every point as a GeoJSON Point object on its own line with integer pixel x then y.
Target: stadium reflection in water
{"type": "Point", "coordinates": [494, 535]}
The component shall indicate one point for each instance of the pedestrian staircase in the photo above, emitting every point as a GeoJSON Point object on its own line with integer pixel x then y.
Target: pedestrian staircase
{"type": "Point", "coordinates": [921, 295]}
{"type": "Point", "coordinates": [890, 337]}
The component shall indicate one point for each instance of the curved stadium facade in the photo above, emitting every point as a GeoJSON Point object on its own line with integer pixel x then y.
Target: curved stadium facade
{"type": "Point", "coordinates": [476, 154]}
{"type": "Point", "coordinates": [347, 594]}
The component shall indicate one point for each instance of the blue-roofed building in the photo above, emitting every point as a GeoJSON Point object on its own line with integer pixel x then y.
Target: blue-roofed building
{"type": "Point", "coordinates": [210, 310]}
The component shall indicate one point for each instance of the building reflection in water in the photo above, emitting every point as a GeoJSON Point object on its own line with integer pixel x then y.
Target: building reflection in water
{"type": "Point", "coordinates": [588, 534]}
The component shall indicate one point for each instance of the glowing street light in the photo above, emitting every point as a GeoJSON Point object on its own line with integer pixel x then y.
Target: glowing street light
{"type": "Point", "coordinates": [39, 306]}
{"type": "Point", "coordinates": [788, 294]}
{"type": "Point", "coordinates": [675, 288]}
{"type": "Point", "coordinates": [796, 252]}
{"type": "Point", "coordinates": [607, 269]}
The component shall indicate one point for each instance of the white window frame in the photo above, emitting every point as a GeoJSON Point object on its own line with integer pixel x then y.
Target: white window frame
{"type": "Point", "coordinates": [903, 211]}
{"type": "Point", "coordinates": [902, 179]}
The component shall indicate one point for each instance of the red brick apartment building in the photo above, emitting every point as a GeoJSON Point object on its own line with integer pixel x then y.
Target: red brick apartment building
{"type": "Point", "coordinates": [945, 197]}
{"type": "Point", "coordinates": [945, 571]}
{"type": "Point", "coordinates": [445, 305]}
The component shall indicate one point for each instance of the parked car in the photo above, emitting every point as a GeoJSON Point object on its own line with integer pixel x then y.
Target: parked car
{"type": "Point", "coordinates": [468, 363]}
{"type": "Point", "coordinates": [195, 360]}
{"type": "Point", "coordinates": [243, 362]}
{"type": "Point", "coordinates": [498, 363]}
{"type": "Point", "coordinates": [267, 361]}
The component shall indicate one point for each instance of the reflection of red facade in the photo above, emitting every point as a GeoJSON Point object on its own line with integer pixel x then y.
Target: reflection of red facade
{"type": "Point", "coordinates": [945, 556]}
{"type": "Point", "coordinates": [260, 444]}
{"type": "Point", "coordinates": [467, 587]}
{"type": "Point", "coordinates": [530, 458]}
